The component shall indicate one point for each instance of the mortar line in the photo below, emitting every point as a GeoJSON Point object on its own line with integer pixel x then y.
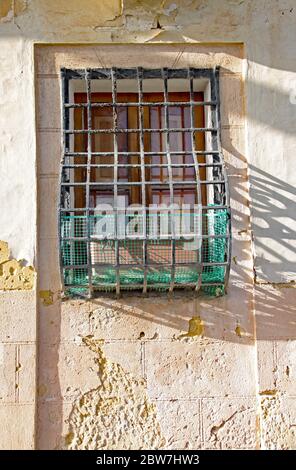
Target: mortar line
{"type": "Point", "coordinates": [201, 423]}
{"type": "Point", "coordinates": [17, 362]}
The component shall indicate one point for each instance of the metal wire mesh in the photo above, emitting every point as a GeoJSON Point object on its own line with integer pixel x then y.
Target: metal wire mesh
{"type": "Point", "coordinates": [119, 262]}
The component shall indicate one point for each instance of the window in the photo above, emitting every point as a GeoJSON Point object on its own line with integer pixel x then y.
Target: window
{"type": "Point", "coordinates": [144, 194]}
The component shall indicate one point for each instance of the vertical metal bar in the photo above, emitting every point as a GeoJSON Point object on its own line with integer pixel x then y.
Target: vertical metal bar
{"type": "Point", "coordinates": [170, 175]}
{"type": "Point", "coordinates": [226, 196]}
{"type": "Point", "coordinates": [115, 181]}
{"type": "Point", "coordinates": [143, 176]}
{"type": "Point", "coordinates": [65, 149]}
{"type": "Point", "coordinates": [88, 173]}
{"type": "Point", "coordinates": [197, 176]}
{"type": "Point", "coordinates": [221, 194]}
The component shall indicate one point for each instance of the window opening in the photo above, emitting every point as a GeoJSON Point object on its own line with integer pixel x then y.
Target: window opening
{"type": "Point", "coordinates": [144, 194]}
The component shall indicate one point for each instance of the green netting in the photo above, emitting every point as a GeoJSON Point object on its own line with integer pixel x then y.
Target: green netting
{"type": "Point", "coordinates": [103, 252]}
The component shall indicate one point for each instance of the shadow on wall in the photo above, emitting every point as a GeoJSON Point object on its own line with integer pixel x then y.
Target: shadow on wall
{"type": "Point", "coordinates": [137, 320]}
{"type": "Point", "coordinates": [274, 224]}
{"type": "Point", "coordinates": [158, 318]}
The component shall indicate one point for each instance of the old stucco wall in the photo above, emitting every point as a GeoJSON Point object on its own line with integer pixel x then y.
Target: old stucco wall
{"type": "Point", "coordinates": [195, 391]}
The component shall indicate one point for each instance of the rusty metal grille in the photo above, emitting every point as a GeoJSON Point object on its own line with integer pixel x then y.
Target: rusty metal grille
{"type": "Point", "coordinates": [90, 264]}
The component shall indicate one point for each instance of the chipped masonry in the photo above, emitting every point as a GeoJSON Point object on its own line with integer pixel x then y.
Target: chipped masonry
{"type": "Point", "coordinates": [13, 275]}
{"type": "Point", "coordinates": [115, 415]}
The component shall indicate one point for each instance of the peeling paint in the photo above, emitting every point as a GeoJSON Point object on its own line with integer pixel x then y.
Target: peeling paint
{"type": "Point", "coordinates": [46, 296]}
{"type": "Point", "coordinates": [13, 275]}
{"type": "Point", "coordinates": [115, 415]}
{"type": "Point", "coordinates": [196, 328]}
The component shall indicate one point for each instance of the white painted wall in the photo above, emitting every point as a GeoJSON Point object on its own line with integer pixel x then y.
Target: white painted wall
{"type": "Point", "coordinates": [268, 30]}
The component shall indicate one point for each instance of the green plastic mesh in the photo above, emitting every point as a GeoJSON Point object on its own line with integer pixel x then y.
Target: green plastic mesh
{"type": "Point", "coordinates": [159, 252]}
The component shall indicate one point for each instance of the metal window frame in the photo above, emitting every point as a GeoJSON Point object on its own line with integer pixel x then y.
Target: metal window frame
{"type": "Point", "coordinates": [217, 164]}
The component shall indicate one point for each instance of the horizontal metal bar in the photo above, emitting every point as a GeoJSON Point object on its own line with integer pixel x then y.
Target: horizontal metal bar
{"type": "Point", "coordinates": [168, 237]}
{"type": "Point", "coordinates": [133, 131]}
{"type": "Point", "coordinates": [102, 286]}
{"type": "Point", "coordinates": [131, 73]}
{"type": "Point", "coordinates": [107, 154]}
{"type": "Point", "coordinates": [83, 209]}
{"type": "Point", "coordinates": [137, 165]}
{"type": "Point", "coordinates": [142, 265]}
{"type": "Point", "coordinates": [108, 104]}
{"type": "Point", "coordinates": [139, 183]}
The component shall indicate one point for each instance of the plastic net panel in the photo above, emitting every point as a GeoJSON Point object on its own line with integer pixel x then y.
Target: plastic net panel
{"type": "Point", "coordinates": [159, 273]}
{"type": "Point", "coordinates": [146, 148]}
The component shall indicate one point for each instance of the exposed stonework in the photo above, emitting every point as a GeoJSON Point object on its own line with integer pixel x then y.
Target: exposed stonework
{"type": "Point", "coordinates": [278, 431]}
{"type": "Point", "coordinates": [13, 275]}
{"type": "Point", "coordinates": [115, 415]}
{"type": "Point", "coordinates": [74, 13]}
{"type": "Point", "coordinates": [11, 8]}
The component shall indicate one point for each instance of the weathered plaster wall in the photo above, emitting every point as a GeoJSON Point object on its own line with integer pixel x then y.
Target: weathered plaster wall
{"type": "Point", "coordinates": [202, 374]}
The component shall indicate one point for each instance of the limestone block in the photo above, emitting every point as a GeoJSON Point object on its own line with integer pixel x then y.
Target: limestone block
{"type": "Point", "coordinates": [239, 202]}
{"type": "Point", "coordinates": [198, 55]}
{"type": "Point", "coordinates": [107, 55]}
{"type": "Point", "coordinates": [235, 166]}
{"type": "Point", "coordinates": [198, 368]}
{"type": "Point", "coordinates": [52, 425]}
{"type": "Point", "coordinates": [26, 369]}
{"type": "Point", "coordinates": [48, 103]}
{"type": "Point", "coordinates": [180, 423]}
{"type": "Point", "coordinates": [68, 370]}
{"type": "Point", "coordinates": [231, 100]}
{"type": "Point", "coordinates": [63, 321]}
{"type": "Point", "coordinates": [117, 414]}
{"type": "Point", "coordinates": [48, 204]}
{"type": "Point", "coordinates": [126, 353]}
{"type": "Point", "coordinates": [278, 422]}
{"type": "Point", "coordinates": [18, 308]}
{"type": "Point", "coordinates": [229, 423]}
{"type": "Point", "coordinates": [233, 142]}
{"type": "Point", "coordinates": [19, 424]}
{"type": "Point", "coordinates": [49, 264]}
{"type": "Point", "coordinates": [275, 312]}
{"type": "Point", "coordinates": [286, 367]}
{"type": "Point", "coordinates": [266, 366]}
{"type": "Point", "coordinates": [65, 371]}
{"type": "Point", "coordinates": [222, 315]}
{"type": "Point", "coordinates": [133, 317]}
{"type": "Point", "coordinates": [7, 373]}
{"type": "Point", "coordinates": [49, 153]}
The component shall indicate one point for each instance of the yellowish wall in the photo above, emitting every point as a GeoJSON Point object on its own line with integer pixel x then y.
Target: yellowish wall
{"type": "Point", "coordinates": [233, 385]}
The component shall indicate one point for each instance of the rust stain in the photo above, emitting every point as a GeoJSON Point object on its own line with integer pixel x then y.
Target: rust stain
{"type": "Point", "coordinates": [270, 392]}
{"type": "Point", "coordinates": [239, 331]}
{"type": "Point", "coordinates": [41, 390]}
{"type": "Point", "coordinates": [195, 328]}
{"type": "Point", "coordinates": [46, 296]}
